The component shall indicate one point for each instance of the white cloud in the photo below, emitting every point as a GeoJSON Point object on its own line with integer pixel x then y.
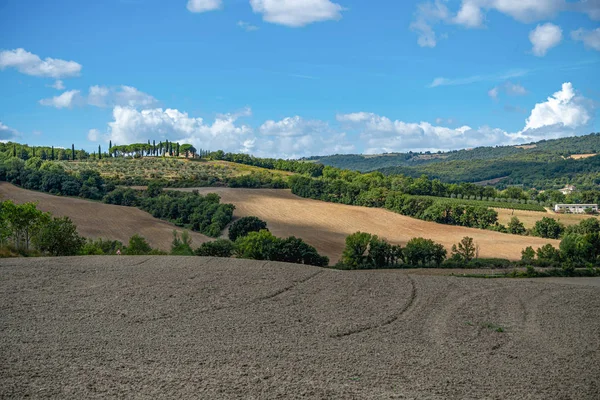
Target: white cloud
{"type": "Point", "coordinates": [93, 135]}
{"type": "Point", "coordinates": [200, 6]}
{"type": "Point", "coordinates": [591, 39]}
{"type": "Point", "coordinates": [429, 14]}
{"type": "Point", "coordinates": [512, 89]}
{"type": "Point", "coordinates": [292, 127]}
{"type": "Point", "coordinates": [67, 99]}
{"type": "Point", "coordinates": [441, 81]}
{"type": "Point", "coordinates": [247, 26]}
{"type": "Point", "coordinates": [102, 96]}
{"type": "Point", "coordinates": [31, 64]}
{"type": "Point", "coordinates": [7, 133]}
{"type": "Point", "coordinates": [58, 85]}
{"type": "Point", "coordinates": [563, 110]}
{"type": "Point", "coordinates": [563, 114]}
{"type": "Point", "coordinates": [472, 13]}
{"type": "Point", "coordinates": [297, 13]}
{"type": "Point", "coordinates": [544, 37]}
{"type": "Point", "coordinates": [131, 125]}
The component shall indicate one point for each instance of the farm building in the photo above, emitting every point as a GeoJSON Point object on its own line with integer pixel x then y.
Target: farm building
{"type": "Point", "coordinates": [575, 208]}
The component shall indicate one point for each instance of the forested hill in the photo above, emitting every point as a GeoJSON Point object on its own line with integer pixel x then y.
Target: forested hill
{"type": "Point", "coordinates": [545, 149]}
{"type": "Point", "coordinates": [544, 165]}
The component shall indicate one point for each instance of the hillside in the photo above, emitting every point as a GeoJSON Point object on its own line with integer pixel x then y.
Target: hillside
{"type": "Point", "coordinates": [326, 225]}
{"type": "Point", "coordinates": [97, 220]}
{"type": "Point", "coordinates": [545, 164]}
{"type": "Point", "coordinates": [190, 327]}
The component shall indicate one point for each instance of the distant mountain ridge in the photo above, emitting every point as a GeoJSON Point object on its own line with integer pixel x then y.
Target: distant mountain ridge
{"type": "Point", "coordinates": [544, 164]}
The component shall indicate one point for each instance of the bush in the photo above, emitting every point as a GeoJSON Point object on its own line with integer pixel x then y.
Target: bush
{"type": "Point", "coordinates": [244, 226]}
{"type": "Point", "coordinates": [59, 237]}
{"type": "Point", "coordinates": [548, 228]}
{"type": "Point", "coordinates": [137, 246]}
{"type": "Point", "coordinates": [217, 248]}
{"type": "Point", "coordinates": [183, 246]}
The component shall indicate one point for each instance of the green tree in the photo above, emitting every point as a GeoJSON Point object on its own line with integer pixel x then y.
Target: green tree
{"type": "Point", "coordinates": [528, 255]}
{"type": "Point", "coordinates": [424, 252]}
{"type": "Point", "coordinates": [218, 248]}
{"type": "Point", "coordinates": [24, 221]}
{"type": "Point", "coordinates": [244, 226]}
{"type": "Point", "coordinates": [183, 246]}
{"type": "Point", "coordinates": [59, 237]}
{"type": "Point", "coordinates": [548, 228]}
{"type": "Point", "coordinates": [255, 245]}
{"type": "Point", "coordinates": [516, 227]}
{"type": "Point", "coordinates": [138, 246]}
{"type": "Point", "coordinates": [355, 252]}
{"type": "Point", "coordinates": [466, 249]}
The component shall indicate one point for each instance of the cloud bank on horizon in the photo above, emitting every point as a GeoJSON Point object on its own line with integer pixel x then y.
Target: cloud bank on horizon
{"type": "Point", "coordinates": [132, 115]}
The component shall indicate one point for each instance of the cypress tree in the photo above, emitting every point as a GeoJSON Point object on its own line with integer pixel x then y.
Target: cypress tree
{"type": "Point", "coordinates": [73, 152]}
{"type": "Point", "coordinates": [177, 150]}
{"type": "Point", "coordinates": [52, 157]}
{"type": "Point", "coordinates": [154, 147]}
{"type": "Point", "coordinates": [14, 150]}
{"type": "Point", "coordinates": [99, 153]}
{"type": "Point", "coordinates": [109, 148]}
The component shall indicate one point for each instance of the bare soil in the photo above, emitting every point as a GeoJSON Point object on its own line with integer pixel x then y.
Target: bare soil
{"type": "Point", "coordinates": [326, 225]}
{"type": "Point", "coordinates": [582, 156]}
{"type": "Point", "coordinates": [97, 220]}
{"type": "Point", "coordinates": [177, 327]}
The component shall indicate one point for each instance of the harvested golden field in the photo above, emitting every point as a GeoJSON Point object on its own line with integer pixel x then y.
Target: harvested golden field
{"type": "Point", "coordinates": [326, 225]}
{"type": "Point", "coordinates": [205, 328]}
{"type": "Point", "coordinates": [529, 218]}
{"type": "Point", "coordinates": [582, 156]}
{"type": "Point", "coordinates": [97, 220]}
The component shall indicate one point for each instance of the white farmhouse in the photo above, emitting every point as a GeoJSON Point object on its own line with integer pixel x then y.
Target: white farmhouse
{"type": "Point", "coordinates": [575, 208]}
{"type": "Point", "coordinates": [567, 189]}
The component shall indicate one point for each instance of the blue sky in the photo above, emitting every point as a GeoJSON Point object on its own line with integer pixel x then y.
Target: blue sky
{"type": "Point", "coordinates": [294, 78]}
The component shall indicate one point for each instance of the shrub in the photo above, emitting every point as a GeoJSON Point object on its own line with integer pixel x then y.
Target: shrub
{"type": "Point", "coordinates": [59, 237]}
{"type": "Point", "coordinates": [183, 246]}
{"type": "Point", "coordinates": [424, 252]}
{"type": "Point", "coordinates": [217, 248]}
{"type": "Point", "coordinates": [466, 249]}
{"type": "Point", "coordinates": [548, 228]}
{"type": "Point", "coordinates": [244, 226]}
{"type": "Point", "coordinates": [137, 246]}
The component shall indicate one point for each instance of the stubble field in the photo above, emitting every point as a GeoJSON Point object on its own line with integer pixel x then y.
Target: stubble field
{"type": "Point", "coordinates": [326, 225]}
{"type": "Point", "coordinates": [97, 220]}
{"type": "Point", "coordinates": [190, 327]}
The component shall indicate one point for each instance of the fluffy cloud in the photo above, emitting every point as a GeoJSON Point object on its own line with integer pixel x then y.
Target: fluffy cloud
{"type": "Point", "coordinates": [7, 133]}
{"type": "Point", "coordinates": [590, 39]}
{"type": "Point", "coordinates": [544, 37]}
{"type": "Point", "coordinates": [429, 14]}
{"type": "Point", "coordinates": [68, 99]}
{"type": "Point", "coordinates": [131, 125]}
{"type": "Point", "coordinates": [126, 96]}
{"type": "Point", "coordinates": [93, 135]}
{"type": "Point", "coordinates": [512, 89]}
{"type": "Point", "coordinates": [292, 127]}
{"type": "Point", "coordinates": [563, 114]}
{"type": "Point", "coordinates": [31, 64]}
{"type": "Point", "coordinates": [563, 111]}
{"type": "Point", "coordinates": [472, 13]}
{"type": "Point", "coordinates": [297, 13]}
{"type": "Point", "coordinates": [102, 96]}
{"type": "Point", "coordinates": [200, 6]}
{"type": "Point", "coordinates": [58, 85]}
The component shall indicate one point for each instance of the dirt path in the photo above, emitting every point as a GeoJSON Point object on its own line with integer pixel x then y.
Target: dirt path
{"type": "Point", "coordinates": [176, 327]}
{"type": "Point", "coordinates": [326, 225]}
{"type": "Point", "coordinates": [97, 220]}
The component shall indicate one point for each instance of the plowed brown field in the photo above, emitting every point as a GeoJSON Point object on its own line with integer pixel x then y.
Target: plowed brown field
{"type": "Point", "coordinates": [97, 220]}
{"type": "Point", "coordinates": [326, 225]}
{"type": "Point", "coordinates": [205, 328]}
